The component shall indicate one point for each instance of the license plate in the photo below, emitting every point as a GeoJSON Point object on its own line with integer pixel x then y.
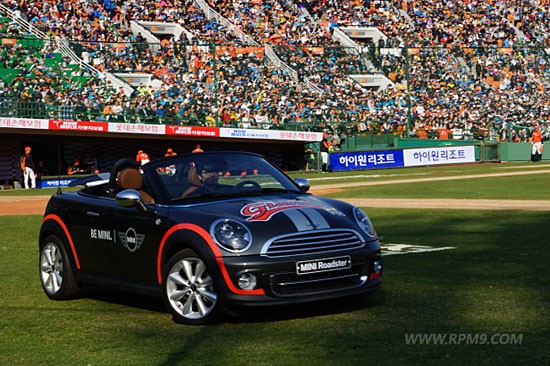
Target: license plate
{"type": "Point", "coordinates": [323, 265]}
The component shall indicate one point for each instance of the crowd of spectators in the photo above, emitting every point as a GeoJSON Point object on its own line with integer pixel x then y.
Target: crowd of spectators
{"type": "Point", "coordinates": [466, 67]}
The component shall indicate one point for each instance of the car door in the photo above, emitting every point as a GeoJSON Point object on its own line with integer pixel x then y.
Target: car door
{"type": "Point", "coordinates": [127, 240]}
{"type": "Point", "coordinates": [80, 217]}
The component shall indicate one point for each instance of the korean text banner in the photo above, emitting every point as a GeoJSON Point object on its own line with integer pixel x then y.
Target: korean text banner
{"type": "Point", "coordinates": [439, 155]}
{"type": "Point", "coordinates": [402, 158]}
{"type": "Point", "coordinates": [366, 160]}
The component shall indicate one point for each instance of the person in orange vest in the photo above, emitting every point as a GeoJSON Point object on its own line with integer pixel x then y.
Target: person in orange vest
{"type": "Point", "coordinates": [197, 149]}
{"type": "Point", "coordinates": [170, 152]}
{"type": "Point", "coordinates": [536, 141]}
{"type": "Point", "coordinates": [142, 157]}
{"type": "Point", "coordinates": [443, 132]}
{"type": "Point", "coordinates": [27, 166]}
{"type": "Point", "coordinates": [324, 148]}
{"type": "Point", "coordinates": [75, 168]}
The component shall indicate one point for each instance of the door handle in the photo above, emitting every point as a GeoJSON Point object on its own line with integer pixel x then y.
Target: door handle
{"type": "Point", "coordinates": [93, 214]}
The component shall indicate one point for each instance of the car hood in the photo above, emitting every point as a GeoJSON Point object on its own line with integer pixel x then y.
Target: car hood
{"type": "Point", "coordinates": [272, 216]}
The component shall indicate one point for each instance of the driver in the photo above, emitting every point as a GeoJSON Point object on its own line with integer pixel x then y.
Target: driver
{"type": "Point", "coordinates": [209, 177]}
{"type": "Point", "coordinates": [202, 179]}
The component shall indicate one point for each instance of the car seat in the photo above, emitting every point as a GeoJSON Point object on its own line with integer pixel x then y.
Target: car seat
{"type": "Point", "coordinates": [130, 178]}
{"type": "Point", "coordinates": [194, 181]}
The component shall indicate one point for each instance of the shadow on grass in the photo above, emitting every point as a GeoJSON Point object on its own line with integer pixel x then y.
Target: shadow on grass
{"type": "Point", "coordinates": [118, 297]}
{"type": "Point", "coordinates": [305, 310]}
{"type": "Point", "coordinates": [242, 315]}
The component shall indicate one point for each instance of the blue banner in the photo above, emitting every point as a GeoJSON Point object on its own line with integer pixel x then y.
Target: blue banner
{"type": "Point", "coordinates": [366, 160]}
{"type": "Point", "coordinates": [54, 183]}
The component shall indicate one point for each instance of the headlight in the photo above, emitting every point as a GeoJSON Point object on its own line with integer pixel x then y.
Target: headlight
{"type": "Point", "coordinates": [364, 222]}
{"type": "Point", "coordinates": [231, 235]}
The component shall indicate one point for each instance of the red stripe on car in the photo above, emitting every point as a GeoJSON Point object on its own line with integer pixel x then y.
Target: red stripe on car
{"type": "Point", "coordinates": [67, 234]}
{"type": "Point", "coordinates": [215, 250]}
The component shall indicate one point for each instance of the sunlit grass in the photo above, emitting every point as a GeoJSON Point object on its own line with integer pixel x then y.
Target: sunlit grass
{"type": "Point", "coordinates": [494, 282]}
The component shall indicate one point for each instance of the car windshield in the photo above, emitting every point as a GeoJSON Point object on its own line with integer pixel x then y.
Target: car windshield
{"type": "Point", "coordinates": [214, 175]}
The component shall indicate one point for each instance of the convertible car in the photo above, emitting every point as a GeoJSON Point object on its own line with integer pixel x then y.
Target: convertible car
{"type": "Point", "coordinates": [206, 232]}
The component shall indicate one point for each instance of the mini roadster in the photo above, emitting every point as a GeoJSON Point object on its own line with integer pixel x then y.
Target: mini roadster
{"type": "Point", "coordinates": [206, 232]}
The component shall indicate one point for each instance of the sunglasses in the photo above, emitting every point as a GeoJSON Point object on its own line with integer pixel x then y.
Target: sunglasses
{"type": "Point", "coordinates": [209, 169]}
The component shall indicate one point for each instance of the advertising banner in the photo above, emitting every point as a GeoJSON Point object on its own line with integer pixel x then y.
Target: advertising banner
{"type": "Point", "coordinates": [366, 160]}
{"type": "Point", "coordinates": [62, 125]}
{"type": "Point", "coordinates": [244, 133]}
{"type": "Point", "coordinates": [159, 129]}
{"type": "Point", "coordinates": [54, 183]}
{"type": "Point", "coordinates": [35, 124]}
{"type": "Point", "coordinates": [193, 131]}
{"type": "Point", "coordinates": [439, 155]}
{"type": "Point", "coordinates": [137, 128]}
{"type": "Point", "coordinates": [402, 158]}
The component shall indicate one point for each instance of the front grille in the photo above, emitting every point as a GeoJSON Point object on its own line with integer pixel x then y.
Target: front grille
{"type": "Point", "coordinates": [312, 242]}
{"type": "Point", "coordinates": [292, 284]}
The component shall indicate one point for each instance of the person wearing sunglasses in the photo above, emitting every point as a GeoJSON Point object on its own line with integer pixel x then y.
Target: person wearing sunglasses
{"type": "Point", "coordinates": [202, 179]}
{"type": "Point", "coordinates": [209, 176]}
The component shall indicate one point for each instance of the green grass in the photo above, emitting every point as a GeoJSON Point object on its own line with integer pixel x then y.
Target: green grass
{"type": "Point", "coordinates": [28, 192]}
{"type": "Point", "coordinates": [519, 187]}
{"type": "Point", "coordinates": [494, 282]}
{"type": "Point", "coordinates": [33, 192]}
{"type": "Point", "coordinates": [418, 172]}
{"type": "Point", "coordinates": [523, 187]}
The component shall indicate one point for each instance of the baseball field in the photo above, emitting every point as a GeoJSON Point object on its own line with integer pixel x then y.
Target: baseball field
{"type": "Point", "coordinates": [466, 274]}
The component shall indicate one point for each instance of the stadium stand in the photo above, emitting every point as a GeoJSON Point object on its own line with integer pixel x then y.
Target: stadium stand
{"type": "Point", "coordinates": [468, 67]}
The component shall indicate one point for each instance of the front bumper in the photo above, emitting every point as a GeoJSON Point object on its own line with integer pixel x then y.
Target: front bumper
{"type": "Point", "coordinates": [282, 284]}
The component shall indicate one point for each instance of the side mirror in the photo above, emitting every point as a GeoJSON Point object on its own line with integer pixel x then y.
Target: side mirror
{"type": "Point", "coordinates": [129, 198]}
{"type": "Point", "coordinates": [303, 183]}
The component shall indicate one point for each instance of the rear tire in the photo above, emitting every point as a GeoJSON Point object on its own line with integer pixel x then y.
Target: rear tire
{"type": "Point", "coordinates": [56, 274]}
{"type": "Point", "coordinates": [190, 291]}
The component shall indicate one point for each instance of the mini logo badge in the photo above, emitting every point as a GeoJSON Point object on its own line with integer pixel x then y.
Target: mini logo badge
{"type": "Point", "coordinates": [131, 240]}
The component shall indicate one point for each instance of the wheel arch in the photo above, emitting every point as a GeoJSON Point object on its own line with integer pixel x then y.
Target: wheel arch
{"type": "Point", "coordinates": [54, 225]}
{"type": "Point", "coordinates": [185, 239]}
{"type": "Point", "coordinates": [192, 236]}
{"type": "Point", "coordinates": [186, 236]}
{"type": "Point", "coordinates": [50, 227]}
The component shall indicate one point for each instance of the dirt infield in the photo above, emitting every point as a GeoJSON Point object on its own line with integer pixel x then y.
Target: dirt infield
{"type": "Point", "coordinates": [31, 205]}
{"type": "Point", "coordinates": [35, 205]}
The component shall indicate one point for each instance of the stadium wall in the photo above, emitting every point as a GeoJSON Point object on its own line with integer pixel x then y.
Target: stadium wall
{"type": "Point", "coordinates": [59, 143]}
{"type": "Point", "coordinates": [518, 151]}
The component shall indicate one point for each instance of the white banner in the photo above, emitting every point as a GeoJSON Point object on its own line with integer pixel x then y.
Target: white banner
{"type": "Point", "coordinates": [242, 133]}
{"type": "Point", "coordinates": [439, 155]}
{"type": "Point", "coordinates": [137, 128]}
{"type": "Point", "coordinates": [35, 124]}
{"type": "Point", "coordinates": [150, 129]}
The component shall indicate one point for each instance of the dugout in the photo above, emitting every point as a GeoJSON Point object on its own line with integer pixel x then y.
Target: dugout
{"type": "Point", "coordinates": [58, 150]}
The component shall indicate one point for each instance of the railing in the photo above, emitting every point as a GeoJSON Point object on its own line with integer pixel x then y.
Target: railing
{"type": "Point", "coordinates": [13, 107]}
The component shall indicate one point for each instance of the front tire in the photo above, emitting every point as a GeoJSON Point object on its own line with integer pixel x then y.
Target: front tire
{"type": "Point", "coordinates": [56, 273]}
{"type": "Point", "coordinates": [189, 290]}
